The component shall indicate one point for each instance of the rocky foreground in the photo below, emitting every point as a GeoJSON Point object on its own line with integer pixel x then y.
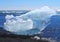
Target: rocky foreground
{"type": "Point", "coordinates": [19, 40]}
{"type": "Point", "coordinates": [5, 36]}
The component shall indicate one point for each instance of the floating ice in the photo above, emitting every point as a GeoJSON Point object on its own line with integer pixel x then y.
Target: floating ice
{"type": "Point", "coordinates": [9, 17]}
{"type": "Point", "coordinates": [38, 18]}
{"type": "Point", "coordinates": [36, 37]}
{"type": "Point", "coordinates": [13, 24]}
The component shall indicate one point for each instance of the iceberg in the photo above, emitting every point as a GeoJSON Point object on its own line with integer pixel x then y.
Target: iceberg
{"type": "Point", "coordinates": [18, 25]}
{"type": "Point", "coordinates": [35, 19]}
{"type": "Point", "coordinates": [40, 17]}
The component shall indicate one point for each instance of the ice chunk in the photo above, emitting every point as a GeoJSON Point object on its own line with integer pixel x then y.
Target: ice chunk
{"type": "Point", "coordinates": [9, 16]}
{"type": "Point", "coordinates": [40, 17]}
{"type": "Point", "coordinates": [37, 19]}
{"type": "Point", "coordinates": [18, 25]}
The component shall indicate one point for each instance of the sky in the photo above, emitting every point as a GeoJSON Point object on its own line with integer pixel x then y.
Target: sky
{"type": "Point", "coordinates": [27, 4]}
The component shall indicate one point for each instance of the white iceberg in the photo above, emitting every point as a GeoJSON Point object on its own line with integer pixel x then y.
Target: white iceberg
{"type": "Point", "coordinates": [18, 24]}
{"type": "Point", "coordinates": [38, 18]}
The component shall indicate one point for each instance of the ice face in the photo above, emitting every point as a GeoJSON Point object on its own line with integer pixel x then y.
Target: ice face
{"type": "Point", "coordinates": [17, 24]}
{"type": "Point", "coordinates": [40, 17]}
{"type": "Point", "coordinates": [35, 19]}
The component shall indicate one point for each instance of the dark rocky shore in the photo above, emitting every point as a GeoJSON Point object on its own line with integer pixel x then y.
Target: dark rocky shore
{"type": "Point", "coordinates": [19, 40]}
{"type": "Point", "coordinates": [5, 36]}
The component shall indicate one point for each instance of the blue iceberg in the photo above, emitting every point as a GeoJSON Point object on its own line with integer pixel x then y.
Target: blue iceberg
{"type": "Point", "coordinates": [30, 23]}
